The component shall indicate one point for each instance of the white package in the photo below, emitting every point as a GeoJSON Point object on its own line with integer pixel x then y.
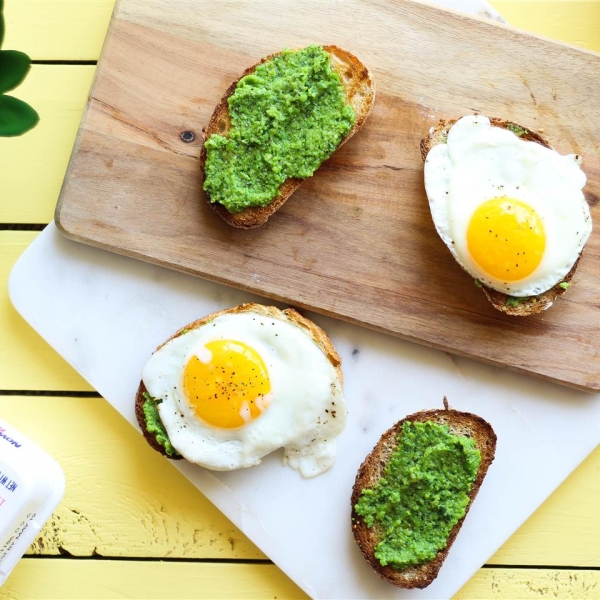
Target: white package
{"type": "Point", "coordinates": [31, 485]}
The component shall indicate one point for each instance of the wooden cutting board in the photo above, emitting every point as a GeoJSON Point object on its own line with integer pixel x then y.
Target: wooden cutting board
{"type": "Point", "coordinates": [356, 241]}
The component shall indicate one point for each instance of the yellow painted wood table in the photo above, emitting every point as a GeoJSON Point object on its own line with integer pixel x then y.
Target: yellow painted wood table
{"type": "Point", "coordinates": [130, 525]}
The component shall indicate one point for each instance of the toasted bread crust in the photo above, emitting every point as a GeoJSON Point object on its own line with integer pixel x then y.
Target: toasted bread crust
{"type": "Point", "coordinates": [360, 94]}
{"type": "Point", "coordinates": [289, 314]}
{"type": "Point", "coordinates": [373, 468]}
{"type": "Point", "coordinates": [439, 133]}
{"type": "Point", "coordinates": [533, 304]}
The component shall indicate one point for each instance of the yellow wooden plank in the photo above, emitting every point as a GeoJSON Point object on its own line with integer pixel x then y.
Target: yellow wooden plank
{"type": "Point", "coordinates": [102, 457]}
{"type": "Point", "coordinates": [34, 164]}
{"type": "Point", "coordinates": [514, 584]}
{"type": "Point", "coordinates": [122, 498]}
{"type": "Point", "coordinates": [575, 22]}
{"type": "Point", "coordinates": [68, 579]}
{"type": "Point", "coordinates": [27, 362]}
{"type": "Point", "coordinates": [57, 29]}
{"type": "Point", "coordinates": [75, 29]}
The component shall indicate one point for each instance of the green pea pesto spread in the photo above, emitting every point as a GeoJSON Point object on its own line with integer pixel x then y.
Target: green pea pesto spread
{"type": "Point", "coordinates": [514, 301]}
{"type": "Point", "coordinates": [516, 129]}
{"type": "Point", "coordinates": [422, 495]}
{"type": "Point", "coordinates": [155, 426]}
{"type": "Point", "coordinates": [287, 117]}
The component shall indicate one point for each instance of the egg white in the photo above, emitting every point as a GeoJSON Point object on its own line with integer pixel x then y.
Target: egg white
{"type": "Point", "coordinates": [307, 410]}
{"type": "Point", "coordinates": [480, 162]}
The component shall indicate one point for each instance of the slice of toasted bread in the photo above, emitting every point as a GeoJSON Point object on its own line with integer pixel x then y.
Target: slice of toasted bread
{"type": "Point", "coordinates": [373, 469]}
{"type": "Point", "coordinates": [501, 301]}
{"type": "Point", "coordinates": [360, 94]}
{"type": "Point", "coordinates": [289, 314]}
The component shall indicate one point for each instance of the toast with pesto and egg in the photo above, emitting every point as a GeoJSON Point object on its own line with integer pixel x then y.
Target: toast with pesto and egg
{"type": "Point", "coordinates": [413, 491]}
{"type": "Point", "coordinates": [535, 175]}
{"type": "Point", "coordinates": [147, 409]}
{"type": "Point", "coordinates": [275, 126]}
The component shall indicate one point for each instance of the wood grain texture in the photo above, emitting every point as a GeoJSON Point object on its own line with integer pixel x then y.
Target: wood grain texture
{"type": "Point", "coordinates": [33, 165]}
{"type": "Point", "coordinates": [359, 233]}
{"type": "Point", "coordinates": [75, 29]}
{"type": "Point", "coordinates": [70, 579]}
{"type": "Point", "coordinates": [524, 584]}
{"type": "Point", "coordinates": [27, 362]}
{"type": "Point", "coordinates": [59, 92]}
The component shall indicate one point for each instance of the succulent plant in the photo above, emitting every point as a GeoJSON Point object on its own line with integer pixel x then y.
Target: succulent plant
{"type": "Point", "coordinates": [16, 116]}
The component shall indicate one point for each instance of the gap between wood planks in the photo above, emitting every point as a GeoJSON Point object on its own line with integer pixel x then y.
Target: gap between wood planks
{"type": "Point", "coordinates": [65, 62]}
{"type": "Point", "coordinates": [259, 561]}
{"type": "Point", "coordinates": [22, 226]}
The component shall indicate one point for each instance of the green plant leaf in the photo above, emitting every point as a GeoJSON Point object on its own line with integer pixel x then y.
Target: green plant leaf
{"type": "Point", "coordinates": [14, 66]}
{"type": "Point", "coordinates": [16, 116]}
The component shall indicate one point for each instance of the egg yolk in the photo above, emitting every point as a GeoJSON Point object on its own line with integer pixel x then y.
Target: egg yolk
{"type": "Point", "coordinates": [226, 386]}
{"type": "Point", "coordinates": [506, 238]}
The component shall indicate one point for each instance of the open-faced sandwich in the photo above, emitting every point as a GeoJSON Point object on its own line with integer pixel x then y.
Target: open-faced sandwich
{"type": "Point", "coordinates": [414, 489]}
{"type": "Point", "coordinates": [276, 124]}
{"type": "Point", "coordinates": [509, 207]}
{"type": "Point", "coordinates": [230, 388]}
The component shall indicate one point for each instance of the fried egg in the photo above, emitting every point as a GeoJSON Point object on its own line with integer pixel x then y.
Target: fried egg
{"type": "Point", "coordinates": [244, 384]}
{"type": "Point", "coordinates": [512, 212]}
